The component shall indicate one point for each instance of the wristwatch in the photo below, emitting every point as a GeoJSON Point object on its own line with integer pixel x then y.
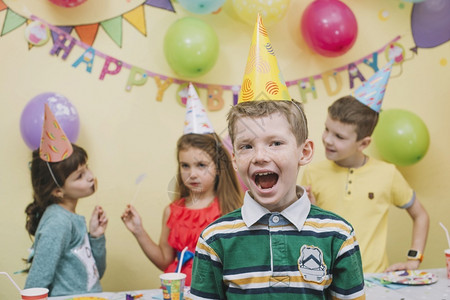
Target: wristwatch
{"type": "Point", "coordinates": [415, 255]}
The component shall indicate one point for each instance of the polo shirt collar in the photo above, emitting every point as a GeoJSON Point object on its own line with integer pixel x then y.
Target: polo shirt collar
{"type": "Point", "coordinates": [296, 213]}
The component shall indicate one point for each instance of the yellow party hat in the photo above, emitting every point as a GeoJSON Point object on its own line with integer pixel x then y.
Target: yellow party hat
{"type": "Point", "coordinates": [262, 78]}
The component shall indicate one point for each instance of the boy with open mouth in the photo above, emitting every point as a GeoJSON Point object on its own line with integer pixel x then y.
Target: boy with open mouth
{"type": "Point", "coordinates": [277, 246]}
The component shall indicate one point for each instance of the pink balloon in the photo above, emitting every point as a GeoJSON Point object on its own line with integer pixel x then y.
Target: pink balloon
{"type": "Point", "coordinates": [329, 27]}
{"type": "Point", "coordinates": [67, 3]}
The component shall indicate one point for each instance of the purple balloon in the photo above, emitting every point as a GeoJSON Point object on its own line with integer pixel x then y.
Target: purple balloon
{"type": "Point", "coordinates": [33, 117]}
{"type": "Point", "coordinates": [430, 23]}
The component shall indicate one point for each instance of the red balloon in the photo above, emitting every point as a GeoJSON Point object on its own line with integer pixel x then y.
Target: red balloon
{"type": "Point", "coordinates": [329, 27]}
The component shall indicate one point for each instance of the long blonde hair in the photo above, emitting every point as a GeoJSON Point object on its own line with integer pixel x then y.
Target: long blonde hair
{"type": "Point", "coordinates": [226, 187]}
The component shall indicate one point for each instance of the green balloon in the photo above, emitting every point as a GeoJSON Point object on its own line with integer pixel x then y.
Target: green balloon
{"type": "Point", "coordinates": [401, 137]}
{"type": "Point", "coordinates": [191, 47]}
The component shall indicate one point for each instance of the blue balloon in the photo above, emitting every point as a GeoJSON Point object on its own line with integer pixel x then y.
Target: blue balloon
{"type": "Point", "coordinates": [201, 6]}
{"type": "Point", "coordinates": [430, 23]}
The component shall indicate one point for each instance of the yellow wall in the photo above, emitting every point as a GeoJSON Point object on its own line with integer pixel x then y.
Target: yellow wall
{"type": "Point", "coordinates": [130, 133]}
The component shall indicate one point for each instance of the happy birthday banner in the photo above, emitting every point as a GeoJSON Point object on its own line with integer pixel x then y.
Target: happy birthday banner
{"type": "Point", "coordinates": [63, 44]}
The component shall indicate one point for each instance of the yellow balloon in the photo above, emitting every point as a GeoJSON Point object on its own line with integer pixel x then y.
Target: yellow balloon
{"type": "Point", "coordinates": [271, 11]}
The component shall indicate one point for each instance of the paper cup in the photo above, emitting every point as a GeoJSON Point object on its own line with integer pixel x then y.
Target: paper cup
{"type": "Point", "coordinates": [34, 294]}
{"type": "Point", "coordinates": [172, 285]}
{"type": "Point", "coordinates": [447, 259]}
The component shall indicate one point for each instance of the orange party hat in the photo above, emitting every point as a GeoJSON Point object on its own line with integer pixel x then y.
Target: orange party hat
{"type": "Point", "coordinates": [55, 146]}
{"type": "Point", "coordinates": [262, 78]}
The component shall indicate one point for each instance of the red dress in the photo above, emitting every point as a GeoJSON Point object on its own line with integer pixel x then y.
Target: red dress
{"type": "Point", "coordinates": [185, 226]}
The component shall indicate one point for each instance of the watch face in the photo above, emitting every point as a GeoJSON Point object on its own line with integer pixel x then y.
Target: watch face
{"type": "Point", "coordinates": [412, 253]}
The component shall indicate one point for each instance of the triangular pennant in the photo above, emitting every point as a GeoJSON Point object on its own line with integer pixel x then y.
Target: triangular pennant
{"type": "Point", "coordinates": [55, 146]}
{"type": "Point", "coordinates": [113, 27]}
{"type": "Point", "coordinates": [67, 29]}
{"type": "Point", "coordinates": [2, 5]}
{"type": "Point", "coordinates": [371, 92]}
{"type": "Point", "coordinates": [12, 21]}
{"type": "Point", "coordinates": [136, 17]}
{"type": "Point", "coordinates": [262, 78]}
{"type": "Point", "coordinates": [196, 120]}
{"type": "Point", "coordinates": [164, 4]}
{"type": "Point", "coordinates": [87, 33]}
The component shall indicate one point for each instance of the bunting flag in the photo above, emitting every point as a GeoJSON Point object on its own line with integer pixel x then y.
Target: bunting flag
{"type": "Point", "coordinates": [136, 17]}
{"type": "Point", "coordinates": [2, 5]}
{"type": "Point", "coordinates": [12, 21]}
{"type": "Point", "coordinates": [64, 42]}
{"type": "Point", "coordinates": [88, 32]}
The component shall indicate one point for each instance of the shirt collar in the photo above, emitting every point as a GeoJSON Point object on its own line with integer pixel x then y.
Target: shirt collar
{"type": "Point", "coordinates": [296, 213]}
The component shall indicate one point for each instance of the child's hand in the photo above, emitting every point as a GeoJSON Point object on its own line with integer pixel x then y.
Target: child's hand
{"type": "Point", "coordinates": [310, 195]}
{"type": "Point", "coordinates": [408, 265]}
{"type": "Point", "coordinates": [132, 219]}
{"type": "Point", "coordinates": [98, 223]}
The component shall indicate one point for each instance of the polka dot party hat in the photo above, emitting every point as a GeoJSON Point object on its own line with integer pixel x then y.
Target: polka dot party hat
{"type": "Point", "coordinates": [55, 146]}
{"type": "Point", "coordinates": [196, 120]}
{"type": "Point", "coordinates": [371, 92]}
{"type": "Point", "coordinates": [262, 78]}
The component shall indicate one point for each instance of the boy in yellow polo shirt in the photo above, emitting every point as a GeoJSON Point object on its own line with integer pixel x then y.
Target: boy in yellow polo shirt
{"type": "Point", "coordinates": [361, 189]}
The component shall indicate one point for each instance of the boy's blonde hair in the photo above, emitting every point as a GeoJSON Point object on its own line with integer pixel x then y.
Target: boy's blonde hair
{"type": "Point", "coordinates": [290, 109]}
{"type": "Point", "coordinates": [349, 110]}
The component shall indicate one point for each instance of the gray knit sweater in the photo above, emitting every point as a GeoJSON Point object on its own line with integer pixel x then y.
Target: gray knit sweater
{"type": "Point", "coordinates": [66, 259]}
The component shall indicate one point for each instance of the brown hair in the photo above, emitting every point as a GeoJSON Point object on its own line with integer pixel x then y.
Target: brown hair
{"type": "Point", "coordinates": [291, 109]}
{"type": "Point", "coordinates": [43, 184]}
{"type": "Point", "coordinates": [227, 188]}
{"type": "Point", "coordinates": [349, 110]}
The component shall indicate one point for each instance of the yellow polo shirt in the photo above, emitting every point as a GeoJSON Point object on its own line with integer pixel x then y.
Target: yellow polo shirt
{"type": "Point", "coordinates": [362, 196]}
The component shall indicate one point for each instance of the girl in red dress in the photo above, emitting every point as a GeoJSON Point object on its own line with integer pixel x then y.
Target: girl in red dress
{"type": "Point", "coordinates": [207, 188]}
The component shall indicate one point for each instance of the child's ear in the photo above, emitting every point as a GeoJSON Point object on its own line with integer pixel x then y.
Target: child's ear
{"type": "Point", "coordinates": [58, 193]}
{"type": "Point", "coordinates": [364, 143]}
{"type": "Point", "coordinates": [233, 160]}
{"type": "Point", "coordinates": [307, 153]}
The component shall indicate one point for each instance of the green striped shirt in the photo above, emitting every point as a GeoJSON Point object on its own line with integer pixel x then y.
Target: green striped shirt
{"type": "Point", "coordinates": [303, 252]}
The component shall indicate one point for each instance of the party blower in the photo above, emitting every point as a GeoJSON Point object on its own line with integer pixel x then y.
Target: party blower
{"type": "Point", "coordinates": [29, 294]}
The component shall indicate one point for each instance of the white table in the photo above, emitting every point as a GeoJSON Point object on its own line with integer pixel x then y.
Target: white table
{"type": "Point", "coordinates": [155, 294]}
{"type": "Point", "coordinates": [436, 291]}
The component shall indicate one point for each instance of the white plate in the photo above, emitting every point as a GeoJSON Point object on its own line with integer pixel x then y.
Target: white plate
{"type": "Point", "coordinates": [410, 277]}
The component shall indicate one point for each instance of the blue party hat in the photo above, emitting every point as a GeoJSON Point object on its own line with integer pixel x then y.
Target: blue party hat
{"type": "Point", "coordinates": [371, 92]}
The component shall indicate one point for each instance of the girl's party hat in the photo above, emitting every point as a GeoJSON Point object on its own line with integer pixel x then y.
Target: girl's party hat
{"type": "Point", "coordinates": [196, 120]}
{"type": "Point", "coordinates": [371, 92]}
{"type": "Point", "coordinates": [262, 78]}
{"type": "Point", "coordinates": [55, 146]}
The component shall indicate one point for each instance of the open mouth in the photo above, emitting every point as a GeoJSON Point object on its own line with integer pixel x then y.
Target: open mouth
{"type": "Point", "coordinates": [266, 180]}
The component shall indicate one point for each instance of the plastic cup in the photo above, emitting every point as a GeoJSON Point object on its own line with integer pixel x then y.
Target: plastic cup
{"type": "Point", "coordinates": [447, 259]}
{"type": "Point", "coordinates": [34, 294]}
{"type": "Point", "coordinates": [172, 285]}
